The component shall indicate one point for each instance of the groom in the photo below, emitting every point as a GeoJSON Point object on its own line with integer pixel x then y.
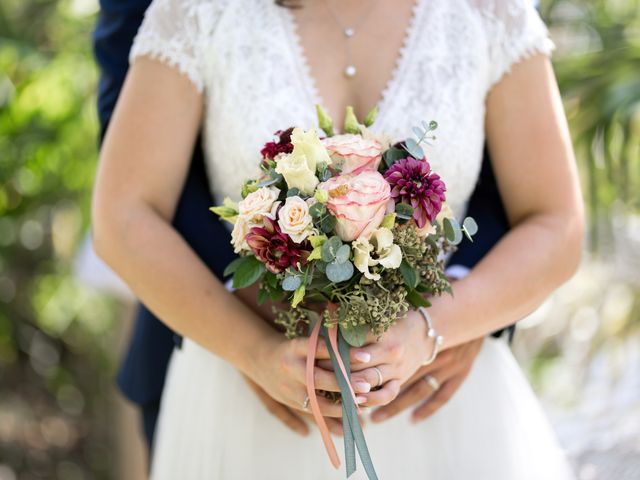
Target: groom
{"type": "Point", "coordinates": [143, 372]}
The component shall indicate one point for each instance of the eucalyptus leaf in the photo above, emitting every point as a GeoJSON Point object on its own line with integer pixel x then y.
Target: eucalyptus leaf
{"type": "Point", "coordinates": [392, 155]}
{"type": "Point", "coordinates": [343, 254]}
{"type": "Point", "coordinates": [339, 272]}
{"type": "Point", "coordinates": [413, 148]}
{"type": "Point", "coordinates": [354, 335]}
{"type": "Point", "coordinates": [328, 223]}
{"type": "Point", "coordinates": [470, 227]}
{"type": "Point", "coordinates": [418, 132]}
{"type": "Point", "coordinates": [452, 230]}
{"type": "Point", "coordinates": [293, 192]}
{"type": "Point", "coordinates": [263, 296]}
{"type": "Point", "coordinates": [404, 211]}
{"type": "Point", "coordinates": [330, 248]}
{"type": "Point", "coordinates": [291, 283]}
{"type": "Point", "coordinates": [317, 210]}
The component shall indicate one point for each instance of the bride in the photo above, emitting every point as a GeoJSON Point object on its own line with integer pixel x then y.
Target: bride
{"type": "Point", "coordinates": [242, 69]}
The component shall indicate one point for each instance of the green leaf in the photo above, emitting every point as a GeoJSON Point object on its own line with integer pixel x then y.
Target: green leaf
{"type": "Point", "coordinates": [417, 300]}
{"type": "Point", "coordinates": [409, 274]}
{"type": "Point", "coordinates": [293, 192]}
{"type": "Point", "coordinates": [328, 223]}
{"type": "Point", "coordinates": [232, 267]}
{"type": "Point", "coordinates": [343, 254]}
{"type": "Point", "coordinates": [271, 181]}
{"type": "Point", "coordinates": [452, 231]}
{"type": "Point", "coordinates": [418, 132]}
{"type": "Point", "coordinates": [291, 283]}
{"type": "Point", "coordinates": [392, 155]}
{"type": "Point", "coordinates": [354, 335]}
{"type": "Point", "coordinates": [317, 210]}
{"type": "Point", "coordinates": [248, 272]}
{"type": "Point", "coordinates": [388, 221]}
{"type": "Point", "coordinates": [339, 272]}
{"type": "Point", "coordinates": [404, 211]}
{"type": "Point", "coordinates": [224, 211]}
{"type": "Point", "coordinates": [263, 296]}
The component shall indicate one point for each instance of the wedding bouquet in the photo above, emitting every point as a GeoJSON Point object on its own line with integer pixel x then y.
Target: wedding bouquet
{"type": "Point", "coordinates": [349, 225]}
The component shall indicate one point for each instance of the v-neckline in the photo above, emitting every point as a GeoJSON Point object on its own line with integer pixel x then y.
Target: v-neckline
{"type": "Point", "coordinates": [308, 81]}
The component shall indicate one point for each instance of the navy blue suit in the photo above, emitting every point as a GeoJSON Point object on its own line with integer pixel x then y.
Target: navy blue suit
{"type": "Point", "coordinates": [143, 372]}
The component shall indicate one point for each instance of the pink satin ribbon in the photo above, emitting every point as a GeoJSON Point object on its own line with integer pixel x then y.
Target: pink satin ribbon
{"type": "Point", "coordinates": [311, 389]}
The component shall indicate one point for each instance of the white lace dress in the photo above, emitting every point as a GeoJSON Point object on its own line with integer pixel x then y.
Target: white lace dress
{"type": "Point", "coordinates": [245, 56]}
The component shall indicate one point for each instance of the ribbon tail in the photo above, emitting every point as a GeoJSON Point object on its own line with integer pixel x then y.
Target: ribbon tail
{"type": "Point", "coordinates": [333, 338]}
{"type": "Point", "coordinates": [313, 399]}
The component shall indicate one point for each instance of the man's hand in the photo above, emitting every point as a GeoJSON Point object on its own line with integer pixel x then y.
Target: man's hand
{"type": "Point", "coordinates": [291, 418]}
{"type": "Point", "coordinates": [450, 369]}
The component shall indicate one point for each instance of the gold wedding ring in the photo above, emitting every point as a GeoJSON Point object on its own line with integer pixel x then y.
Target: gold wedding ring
{"type": "Point", "coordinates": [380, 380]}
{"type": "Point", "coordinates": [305, 403]}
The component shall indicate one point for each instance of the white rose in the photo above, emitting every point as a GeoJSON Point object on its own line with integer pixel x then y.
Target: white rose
{"type": "Point", "coordinates": [379, 249]}
{"type": "Point", "coordinates": [294, 167]}
{"type": "Point", "coordinates": [294, 219]}
{"type": "Point", "coordinates": [258, 203]}
{"type": "Point", "coordinates": [239, 234]}
{"type": "Point", "coordinates": [308, 144]}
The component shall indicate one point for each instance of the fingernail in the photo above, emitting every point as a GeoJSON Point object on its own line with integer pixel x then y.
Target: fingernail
{"type": "Point", "coordinates": [363, 357]}
{"type": "Point", "coordinates": [362, 387]}
{"type": "Point", "coordinates": [361, 400]}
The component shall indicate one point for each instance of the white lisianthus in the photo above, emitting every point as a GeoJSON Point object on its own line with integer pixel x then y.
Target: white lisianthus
{"type": "Point", "coordinates": [295, 220]}
{"type": "Point", "coordinates": [295, 169]}
{"type": "Point", "coordinates": [258, 204]}
{"type": "Point", "coordinates": [379, 249]}
{"type": "Point", "coordinates": [308, 144]}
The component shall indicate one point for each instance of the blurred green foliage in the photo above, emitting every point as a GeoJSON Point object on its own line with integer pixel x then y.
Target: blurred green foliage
{"type": "Point", "coordinates": [56, 337]}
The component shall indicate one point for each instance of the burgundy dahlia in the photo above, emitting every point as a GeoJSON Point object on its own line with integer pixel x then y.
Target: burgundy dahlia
{"type": "Point", "coordinates": [276, 249]}
{"type": "Point", "coordinates": [412, 182]}
{"type": "Point", "coordinates": [272, 149]}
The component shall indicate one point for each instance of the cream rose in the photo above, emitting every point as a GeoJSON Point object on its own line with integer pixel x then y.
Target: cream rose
{"type": "Point", "coordinates": [378, 250]}
{"type": "Point", "coordinates": [239, 233]}
{"type": "Point", "coordinates": [358, 201]}
{"type": "Point", "coordinates": [353, 153]}
{"type": "Point", "coordinates": [294, 167]}
{"type": "Point", "coordinates": [430, 229]}
{"type": "Point", "coordinates": [258, 204]}
{"type": "Point", "coordinates": [308, 144]}
{"type": "Point", "coordinates": [294, 219]}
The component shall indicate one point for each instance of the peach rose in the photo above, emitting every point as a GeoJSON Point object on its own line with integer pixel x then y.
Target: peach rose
{"type": "Point", "coordinates": [294, 219]}
{"type": "Point", "coordinates": [358, 201]}
{"type": "Point", "coordinates": [258, 203]}
{"type": "Point", "coordinates": [353, 153]}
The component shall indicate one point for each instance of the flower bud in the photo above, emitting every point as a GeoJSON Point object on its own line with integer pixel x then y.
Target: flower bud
{"type": "Point", "coordinates": [351, 122]}
{"type": "Point", "coordinates": [324, 121]}
{"type": "Point", "coordinates": [371, 116]}
{"type": "Point", "coordinates": [321, 196]}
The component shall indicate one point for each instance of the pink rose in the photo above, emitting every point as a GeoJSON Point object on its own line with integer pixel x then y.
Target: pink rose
{"type": "Point", "coordinates": [353, 153]}
{"type": "Point", "coordinates": [358, 201]}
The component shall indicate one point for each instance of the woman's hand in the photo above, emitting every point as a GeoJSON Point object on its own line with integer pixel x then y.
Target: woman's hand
{"type": "Point", "coordinates": [279, 367]}
{"type": "Point", "coordinates": [397, 356]}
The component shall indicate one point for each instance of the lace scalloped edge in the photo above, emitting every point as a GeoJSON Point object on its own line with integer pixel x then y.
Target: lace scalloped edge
{"type": "Point", "coordinates": [523, 51]}
{"type": "Point", "coordinates": [154, 47]}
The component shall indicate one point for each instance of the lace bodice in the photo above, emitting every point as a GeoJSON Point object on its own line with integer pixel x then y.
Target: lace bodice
{"type": "Point", "coordinates": [246, 58]}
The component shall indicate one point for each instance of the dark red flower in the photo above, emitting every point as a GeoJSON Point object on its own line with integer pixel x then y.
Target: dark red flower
{"type": "Point", "coordinates": [412, 182]}
{"type": "Point", "coordinates": [276, 249]}
{"type": "Point", "coordinates": [272, 149]}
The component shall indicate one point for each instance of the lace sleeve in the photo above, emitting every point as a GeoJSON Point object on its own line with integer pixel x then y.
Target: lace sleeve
{"type": "Point", "coordinates": [515, 31]}
{"type": "Point", "coordinates": [170, 34]}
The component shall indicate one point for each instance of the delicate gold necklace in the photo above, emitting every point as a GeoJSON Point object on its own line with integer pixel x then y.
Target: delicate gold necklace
{"type": "Point", "coordinates": [349, 33]}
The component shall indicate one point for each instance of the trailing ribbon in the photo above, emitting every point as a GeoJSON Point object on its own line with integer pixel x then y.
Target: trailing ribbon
{"type": "Point", "coordinates": [353, 435]}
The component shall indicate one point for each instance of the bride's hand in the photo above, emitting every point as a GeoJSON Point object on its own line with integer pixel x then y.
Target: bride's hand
{"type": "Point", "coordinates": [279, 367]}
{"type": "Point", "coordinates": [400, 352]}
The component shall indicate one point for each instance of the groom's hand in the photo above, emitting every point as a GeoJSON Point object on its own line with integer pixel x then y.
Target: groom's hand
{"type": "Point", "coordinates": [449, 370]}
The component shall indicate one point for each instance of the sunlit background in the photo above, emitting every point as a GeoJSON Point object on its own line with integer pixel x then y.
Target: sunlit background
{"type": "Point", "coordinates": [63, 321]}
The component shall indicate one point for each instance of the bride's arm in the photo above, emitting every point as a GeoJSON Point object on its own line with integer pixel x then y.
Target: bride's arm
{"type": "Point", "coordinates": [535, 167]}
{"type": "Point", "coordinates": [144, 160]}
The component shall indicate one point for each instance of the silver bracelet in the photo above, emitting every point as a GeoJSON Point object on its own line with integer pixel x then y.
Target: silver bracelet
{"type": "Point", "coordinates": [438, 340]}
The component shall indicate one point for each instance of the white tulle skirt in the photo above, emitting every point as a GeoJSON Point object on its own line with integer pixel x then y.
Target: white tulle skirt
{"type": "Point", "coordinates": [213, 427]}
